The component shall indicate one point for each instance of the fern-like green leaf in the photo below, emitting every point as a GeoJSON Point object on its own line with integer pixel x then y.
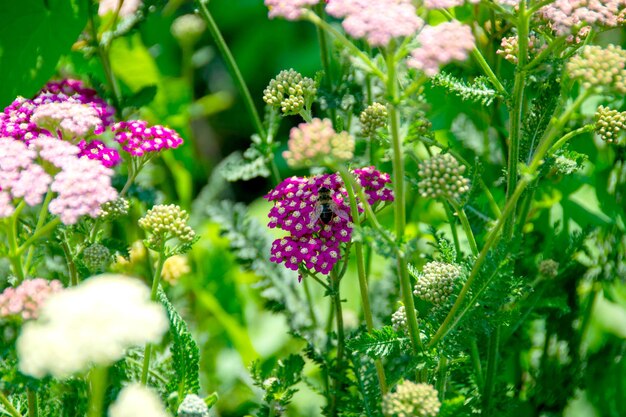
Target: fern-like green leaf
{"type": "Point", "coordinates": [479, 91]}
{"type": "Point", "coordinates": [379, 343]}
{"type": "Point", "coordinates": [250, 164]}
{"type": "Point", "coordinates": [185, 352]}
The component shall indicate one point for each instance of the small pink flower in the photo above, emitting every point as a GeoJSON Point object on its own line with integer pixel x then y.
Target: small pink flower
{"type": "Point", "coordinates": [26, 300]}
{"type": "Point", "coordinates": [288, 9]}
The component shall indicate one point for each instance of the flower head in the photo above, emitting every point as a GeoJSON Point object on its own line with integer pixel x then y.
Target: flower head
{"type": "Point", "coordinates": [288, 9]}
{"type": "Point", "coordinates": [440, 45]}
{"type": "Point", "coordinates": [193, 406]}
{"type": "Point", "coordinates": [92, 323]}
{"type": "Point", "coordinates": [442, 177]}
{"type": "Point", "coordinates": [175, 267]}
{"type": "Point", "coordinates": [27, 299]}
{"type": "Point", "coordinates": [549, 268]}
{"type": "Point", "coordinates": [188, 28]}
{"type": "Point", "coordinates": [96, 257]}
{"type": "Point", "coordinates": [290, 91]}
{"type": "Point", "coordinates": [509, 47]}
{"type": "Point", "coordinates": [138, 139]}
{"type": "Point", "coordinates": [399, 320]}
{"type": "Point", "coordinates": [136, 400]}
{"type": "Point", "coordinates": [114, 209]}
{"type": "Point", "coordinates": [98, 151]}
{"type": "Point", "coordinates": [376, 21]}
{"type": "Point", "coordinates": [609, 124]}
{"type": "Point", "coordinates": [70, 119]}
{"type": "Point", "coordinates": [411, 399]}
{"type": "Point", "coordinates": [566, 17]}
{"type": "Point", "coordinates": [437, 281]}
{"type": "Point", "coordinates": [311, 142]}
{"type": "Point", "coordinates": [598, 67]}
{"type": "Point", "coordinates": [373, 118]}
{"type": "Point", "coordinates": [446, 4]}
{"type": "Point", "coordinates": [165, 222]}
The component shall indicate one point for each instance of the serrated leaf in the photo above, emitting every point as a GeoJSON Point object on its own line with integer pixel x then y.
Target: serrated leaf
{"type": "Point", "coordinates": [379, 343]}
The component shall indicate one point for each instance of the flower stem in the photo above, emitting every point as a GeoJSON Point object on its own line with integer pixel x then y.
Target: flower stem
{"type": "Point", "coordinates": [309, 301]}
{"type": "Point", "coordinates": [43, 213]}
{"type": "Point", "coordinates": [455, 234]}
{"type": "Point", "coordinates": [341, 342]}
{"type": "Point", "coordinates": [492, 367]}
{"type": "Point", "coordinates": [8, 406]}
{"type": "Point", "coordinates": [153, 295]}
{"type": "Point", "coordinates": [478, 369]}
{"type": "Point", "coordinates": [69, 259]}
{"type": "Point", "coordinates": [98, 380]}
{"type": "Point", "coordinates": [14, 254]}
{"type": "Point", "coordinates": [33, 409]}
{"type": "Point", "coordinates": [466, 226]}
{"type": "Point", "coordinates": [233, 68]}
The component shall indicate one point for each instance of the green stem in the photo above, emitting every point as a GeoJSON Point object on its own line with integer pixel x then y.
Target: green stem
{"type": "Point", "coordinates": [492, 367]}
{"type": "Point", "coordinates": [442, 377]}
{"type": "Point", "coordinates": [33, 408]}
{"type": "Point", "coordinates": [360, 263]}
{"type": "Point", "coordinates": [233, 68]}
{"type": "Point", "coordinates": [478, 369]}
{"type": "Point", "coordinates": [557, 43]}
{"type": "Point", "coordinates": [309, 301]}
{"type": "Point", "coordinates": [153, 296]}
{"type": "Point", "coordinates": [69, 259]}
{"type": "Point", "coordinates": [466, 226]}
{"type": "Point", "coordinates": [44, 230]}
{"type": "Point", "coordinates": [317, 21]}
{"type": "Point", "coordinates": [455, 234]}
{"type": "Point", "coordinates": [8, 406]}
{"type": "Point", "coordinates": [341, 342]}
{"type": "Point", "coordinates": [43, 213]}
{"type": "Point", "coordinates": [98, 380]}
{"type": "Point", "coordinates": [516, 114]}
{"type": "Point", "coordinates": [559, 143]}
{"type": "Point", "coordinates": [14, 254]}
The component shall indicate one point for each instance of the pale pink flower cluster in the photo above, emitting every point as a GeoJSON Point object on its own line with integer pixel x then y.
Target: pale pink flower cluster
{"type": "Point", "coordinates": [510, 3]}
{"type": "Point", "coordinates": [509, 47]}
{"type": "Point", "coordinates": [82, 185]}
{"type": "Point", "coordinates": [128, 8]}
{"type": "Point", "coordinates": [440, 45]}
{"type": "Point", "coordinates": [566, 17]}
{"type": "Point", "coordinates": [70, 119]}
{"type": "Point", "coordinates": [446, 4]}
{"type": "Point", "coordinates": [27, 298]}
{"type": "Point", "coordinates": [315, 140]}
{"type": "Point", "coordinates": [376, 21]}
{"type": "Point", "coordinates": [288, 9]}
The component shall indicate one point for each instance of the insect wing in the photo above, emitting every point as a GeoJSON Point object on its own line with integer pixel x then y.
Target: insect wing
{"type": "Point", "coordinates": [339, 212]}
{"type": "Point", "coordinates": [315, 215]}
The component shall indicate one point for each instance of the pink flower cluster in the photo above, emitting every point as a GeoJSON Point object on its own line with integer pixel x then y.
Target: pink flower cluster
{"type": "Point", "coordinates": [377, 21]}
{"type": "Point", "coordinates": [138, 139]}
{"type": "Point", "coordinates": [26, 300]}
{"type": "Point", "coordinates": [446, 4]}
{"type": "Point", "coordinates": [288, 9]}
{"type": "Point", "coordinates": [98, 151]}
{"type": "Point", "coordinates": [82, 185]}
{"type": "Point", "coordinates": [441, 44]}
{"type": "Point", "coordinates": [19, 119]}
{"type": "Point", "coordinates": [316, 140]}
{"type": "Point", "coordinates": [311, 242]}
{"type": "Point", "coordinates": [566, 17]}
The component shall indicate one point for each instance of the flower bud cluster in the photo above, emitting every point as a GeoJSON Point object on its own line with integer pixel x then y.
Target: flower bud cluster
{"type": "Point", "coordinates": [114, 209]}
{"type": "Point", "coordinates": [412, 400]}
{"type": "Point", "coordinates": [165, 222]}
{"type": "Point", "coordinates": [188, 28]}
{"type": "Point", "coordinates": [598, 67]}
{"type": "Point", "coordinates": [373, 118]}
{"type": "Point", "coordinates": [442, 177]}
{"type": "Point", "coordinates": [25, 300]}
{"type": "Point", "coordinates": [509, 47]}
{"type": "Point", "coordinates": [288, 9]}
{"type": "Point", "coordinates": [174, 268]}
{"type": "Point", "coordinates": [446, 4]}
{"type": "Point", "coordinates": [290, 92]}
{"type": "Point", "coordinates": [549, 268]}
{"type": "Point", "coordinates": [437, 281]}
{"type": "Point", "coordinates": [96, 257]}
{"type": "Point", "coordinates": [193, 406]}
{"type": "Point", "coordinates": [609, 123]}
{"type": "Point", "coordinates": [311, 142]}
{"type": "Point", "coordinates": [399, 321]}
{"type": "Point", "coordinates": [566, 17]}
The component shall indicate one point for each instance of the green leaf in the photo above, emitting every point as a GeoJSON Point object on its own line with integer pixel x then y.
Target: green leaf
{"type": "Point", "coordinates": [378, 343]}
{"type": "Point", "coordinates": [142, 97]}
{"type": "Point", "coordinates": [32, 39]}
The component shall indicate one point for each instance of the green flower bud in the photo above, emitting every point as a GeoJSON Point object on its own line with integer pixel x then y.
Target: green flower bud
{"type": "Point", "coordinates": [399, 320]}
{"type": "Point", "coordinates": [609, 123]}
{"type": "Point", "coordinates": [96, 257]}
{"type": "Point", "coordinates": [442, 176]}
{"type": "Point", "coordinates": [165, 222]}
{"type": "Point", "coordinates": [437, 281]}
{"type": "Point", "coordinates": [598, 67]}
{"type": "Point", "coordinates": [114, 209]}
{"type": "Point", "coordinates": [549, 268]}
{"type": "Point", "coordinates": [188, 28]}
{"type": "Point", "coordinates": [290, 91]}
{"type": "Point", "coordinates": [411, 400]}
{"type": "Point", "coordinates": [373, 118]}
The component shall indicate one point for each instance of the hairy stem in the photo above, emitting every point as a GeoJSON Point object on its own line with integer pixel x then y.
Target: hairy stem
{"type": "Point", "coordinates": [341, 341]}
{"type": "Point", "coordinates": [98, 383]}
{"type": "Point", "coordinates": [153, 295]}
{"type": "Point", "coordinates": [14, 254]}
{"type": "Point", "coordinates": [492, 367]}
{"type": "Point", "coordinates": [8, 406]}
{"type": "Point", "coordinates": [466, 226]}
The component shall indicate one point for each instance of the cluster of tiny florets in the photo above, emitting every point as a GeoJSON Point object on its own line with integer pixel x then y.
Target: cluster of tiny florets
{"type": "Point", "coordinates": [440, 45]}
{"type": "Point", "coordinates": [609, 123]}
{"type": "Point", "coordinates": [290, 92]}
{"type": "Point", "coordinates": [399, 321]}
{"type": "Point", "coordinates": [188, 28]}
{"type": "Point", "coordinates": [165, 222]}
{"type": "Point", "coordinates": [139, 139]}
{"type": "Point", "coordinates": [567, 17]}
{"type": "Point", "coordinates": [96, 257]}
{"type": "Point", "coordinates": [446, 4]}
{"type": "Point", "coordinates": [98, 151]}
{"type": "Point", "coordinates": [373, 118]}
{"type": "Point", "coordinates": [193, 406]}
{"type": "Point", "coordinates": [311, 243]}
{"type": "Point", "coordinates": [310, 142]}
{"type": "Point", "coordinates": [174, 268]}
{"type": "Point", "coordinates": [412, 400]}
{"type": "Point", "coordinates": [549, 268]}
{"type": "Point", "coordinates": [288, 9]}
{"type": "Point", "coordinates": [25, 300]}
{"type": "Point", "coordinates": [442, 177]}
{"type": "Point", "coordinates": [114, 209]}
{"type": "Point", "coordinates": [373, 182]}
{"type": "Point", "coordinates": [378, 22]}
{"type": "Point", "coordinates": [509, 47]}
{"type": "Point", "coordinates": [437, 281]}
{"type": "Point", "coordinates": [69, 119]}
{"type": "Point", "coordinates": [598, 67]}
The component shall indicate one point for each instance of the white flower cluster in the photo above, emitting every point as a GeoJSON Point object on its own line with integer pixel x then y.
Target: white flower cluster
{"type": "Point", "coordinates": [93, 323]}
{"type": "Point", "coordinates": [137, 401]}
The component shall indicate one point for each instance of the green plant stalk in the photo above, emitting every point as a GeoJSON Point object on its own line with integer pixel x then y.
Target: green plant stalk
{"type": "Point", "coordinates": [43, 213]}
{"type": "Point", "coordinates": [309, 301]}
{"type": "Point", "coordinates": [467, 228]}
{"type": "Point", "coordinates": [559, 143]}
{"type": "Point", "coordinates": [516, 114]}
{"type": "Point", "coordinates": [399, 196]}
{"type": "Point", "coordinates": [14, 254]}
{"type": "Point", "coordinates": [153, 295]}
{"type": "Point", "coordinates": [492, 367]}
{"type": "Point", "coordinates": [44, 230]}
{"type": "Point", "coordinates": [98, 381]}
{"type": "Point", "coordinates": [442, 377]}
{"type": "Point", "coordinates": [455, 234]}
{"type": "Point", "coordinates": [33, 409]}
{"type": "Point", "coordinates": [8, 406]}
{"type": "Point", "coordinates": [233, 68]}
{"type": "Point", "coordinates": [478, 369]}
{"type": "Point", "coordinates": [317, 21]}
{"type": "Point", "coordinates": [341, 339]}
{"type": "Point", "coordinates": [363, 286]}
{"type": "Point", "coordinates": [69, 259]}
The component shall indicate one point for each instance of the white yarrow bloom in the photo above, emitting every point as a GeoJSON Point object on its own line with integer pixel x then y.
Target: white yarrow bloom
{"type": "Point", "coordinates": [93, 323]}
{"type": "Point", "coordinates": [137, 401]}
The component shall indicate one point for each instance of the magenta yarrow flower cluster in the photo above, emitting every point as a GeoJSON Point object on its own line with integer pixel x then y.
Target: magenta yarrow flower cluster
{"type": "Point", "coordinates": [98, 151]}
{"type": "Point", "coordinates": [28, 172]}
{"type": "Point", "coordinates": [288, 9]}
{"type": "Point", "coordinates": [139, 139]}
{"type": "Point", "coordinates": [311, 243]}
{"type": "Point", "coordinates": [567, 17]}
{"type": "Point", "coordinates": [25, 300]}
{"type": "Point", "coordinates": [440, 45]}
{"type": "Point", "coordinates": [376, 21]}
